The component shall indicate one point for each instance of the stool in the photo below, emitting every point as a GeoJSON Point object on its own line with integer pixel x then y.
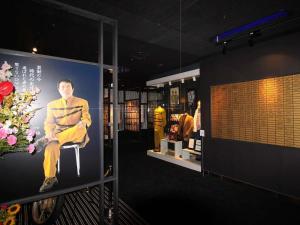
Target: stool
{"type": "Point", "coordinates": [76, 148]}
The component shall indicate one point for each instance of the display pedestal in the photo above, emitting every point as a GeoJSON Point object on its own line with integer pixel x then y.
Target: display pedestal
{"type": "Point", "coordinates": [164, 147]}
{"type": "Point", "coordinates": [170, 157]}
{"type": "Point", "coordinates": [176, 155]}
{"type": "Point", "coordinates": [188, 153]}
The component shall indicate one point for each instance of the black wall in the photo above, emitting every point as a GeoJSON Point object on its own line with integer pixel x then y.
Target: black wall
{"type": "Point", "coordinates": [271, 167]}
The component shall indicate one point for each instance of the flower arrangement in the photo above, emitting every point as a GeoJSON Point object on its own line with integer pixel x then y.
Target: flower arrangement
{"type": "Point", "coordinates": [15, 114]}
{"type": "Point", "coordinates": [8, 214]}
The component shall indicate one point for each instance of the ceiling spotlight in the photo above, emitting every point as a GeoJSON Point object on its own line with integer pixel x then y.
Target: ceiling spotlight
{"type": "Point", "coordinates": [170, 83]}
{"type": "Point", "coordinates": [182, 81]}
{"type": "Point", "coordinates": [34, 50]}
{"type": "Point", "coordinates": [157, 85]}
{"type": "Point", "coordinates": [194, 78]}
{"type": "Point", "coordinates": [111, 85]}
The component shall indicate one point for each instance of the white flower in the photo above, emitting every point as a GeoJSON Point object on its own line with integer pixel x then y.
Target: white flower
{"type": "Point", "coordinates": [2, 75]}
{"type": "Point", "coordinates": [8, 75]}
{"type": "Point", "coordinates": [37, 90]}
{"type": "Point", "coordinates": [15, 130]}
{"type": "Point", "coordinates": [6, 66]}
{"type": "Point", "coordinates": [7, 124]}
{"type": "Point", "coordinates": [29, 138]}
{"type": "Point", "coordinates": [9, 131]}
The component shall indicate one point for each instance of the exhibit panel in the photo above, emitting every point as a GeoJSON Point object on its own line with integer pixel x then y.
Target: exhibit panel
{"type": "Point", "coordinates": [264, 111]}
{"type": "Point", "coordinates": [54, 98]}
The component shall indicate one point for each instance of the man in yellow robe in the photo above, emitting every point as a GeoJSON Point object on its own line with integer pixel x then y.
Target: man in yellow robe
{"type": "Point", "coordinates": [67, 121]}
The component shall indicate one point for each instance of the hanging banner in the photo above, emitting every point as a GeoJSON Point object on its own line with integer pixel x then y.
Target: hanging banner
{"type": "Point", "coordinates": [49, 124]}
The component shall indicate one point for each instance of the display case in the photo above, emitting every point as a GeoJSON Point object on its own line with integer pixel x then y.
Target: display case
{"type": "Point", "coordinates": [176, 120]}
{"type": "Point", "coordinates": [108, 112]}
{"type": "Point", "coordinates": [132, 115]}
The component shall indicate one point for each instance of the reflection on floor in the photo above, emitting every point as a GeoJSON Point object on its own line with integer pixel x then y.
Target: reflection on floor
{"type": "Point", "coordinates": [80, 208]}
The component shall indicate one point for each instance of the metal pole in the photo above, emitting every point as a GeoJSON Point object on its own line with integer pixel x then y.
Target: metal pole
{"type": "Point", "coordinates": [202, 157]}
{"type": "Point", "coordinates": [115, 124]}
{"type": "Point", "coordinates": [77, 11]}
{"type": "Point", "coordinates": [140, 111]}
{"type": "Point", "coordinates": [101, 127]}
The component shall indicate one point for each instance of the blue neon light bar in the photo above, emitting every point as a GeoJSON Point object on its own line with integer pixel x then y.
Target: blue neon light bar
{"type": "Point", "coordinates": [251, 25]}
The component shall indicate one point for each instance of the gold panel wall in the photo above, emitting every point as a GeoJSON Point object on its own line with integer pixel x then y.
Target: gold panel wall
{"type": "Point", "coordinates": [264, 111]}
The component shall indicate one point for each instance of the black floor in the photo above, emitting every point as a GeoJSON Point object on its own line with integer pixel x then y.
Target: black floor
{"type": "Point", "coordinates": [163, 193]}
{"type": "Point", "coordinates": [82, 208]}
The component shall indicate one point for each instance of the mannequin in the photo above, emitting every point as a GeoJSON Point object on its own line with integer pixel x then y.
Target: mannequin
{"type": "Point", "coordinates": [197, 118]}
{"type": "Point", "coordinates": [160, 122]}
{"type": "Point", "coordinates": [173, 130]}
{"type": "Point", "coordinates": [185, 128]}
{"type": "Point", "coordinates": [197, 125]}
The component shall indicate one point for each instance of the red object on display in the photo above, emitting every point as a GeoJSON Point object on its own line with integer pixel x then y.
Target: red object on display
{"type": "Point", "coordinates": [6, 88]}
{"type": "Point", "coordinates": [1, 98]}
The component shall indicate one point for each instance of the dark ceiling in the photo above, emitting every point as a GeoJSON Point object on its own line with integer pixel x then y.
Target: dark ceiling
{"type": "Point", "coordinates": [154, 36]}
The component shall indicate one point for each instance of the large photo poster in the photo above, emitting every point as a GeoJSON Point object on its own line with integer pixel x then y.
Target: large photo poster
{"type": "Point", "coordinates": [49, 124]}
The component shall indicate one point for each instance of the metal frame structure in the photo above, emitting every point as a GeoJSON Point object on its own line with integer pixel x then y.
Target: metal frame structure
{"type": "Point", "coordinates": [114, 178]}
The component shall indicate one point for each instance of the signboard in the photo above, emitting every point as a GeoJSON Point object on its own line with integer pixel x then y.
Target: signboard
{"type": "Point", "coordinates": [23, 173]}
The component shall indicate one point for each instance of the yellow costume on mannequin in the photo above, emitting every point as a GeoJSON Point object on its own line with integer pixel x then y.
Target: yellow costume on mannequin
{"type": "Point", "coordinates": [62, 119]}
{"type": "Point", "coordinates": [159, 125]}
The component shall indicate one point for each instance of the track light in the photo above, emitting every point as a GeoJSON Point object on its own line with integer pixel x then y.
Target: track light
{"type": "Point", "coordinates": [252, 36]}
{"type": "Point", "coordinates": [194, 78]}
{"type": "Point", "coordinates": [170, 83]}
{"type": "Point", "coordinates": [251, 39]}
{"type": "Point", "coordinates": [182, 81]}
{"type": "Point", "coordinates": [224, 49]}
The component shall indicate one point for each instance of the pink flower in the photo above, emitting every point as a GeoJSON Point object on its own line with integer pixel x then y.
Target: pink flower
{"type": "Point", "coordinates": [11, 139]}
{"type": "Point", "coordinates": [31, 148]}
{"type": "Point", "coordinates": [3, 133]}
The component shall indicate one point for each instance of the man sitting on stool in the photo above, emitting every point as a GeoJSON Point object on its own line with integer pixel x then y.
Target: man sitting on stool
{"type": "Point", "coordinates": [67, 121]}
